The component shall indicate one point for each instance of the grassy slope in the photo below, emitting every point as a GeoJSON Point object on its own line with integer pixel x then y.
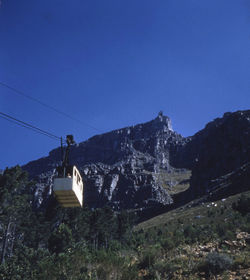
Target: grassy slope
{"type": "Point", "coordinates": [189, 214]}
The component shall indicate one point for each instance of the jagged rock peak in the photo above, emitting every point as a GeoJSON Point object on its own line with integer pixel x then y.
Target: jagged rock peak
{"type": "Point", "coordinates": [160, 124]}
{"type": "Point", "coordinates": [165, 120]}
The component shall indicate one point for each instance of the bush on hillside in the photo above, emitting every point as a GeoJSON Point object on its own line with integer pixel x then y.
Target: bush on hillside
{"type": "Point", "coordinates": [242, 205]}
{"type": "Point", "coordinates": [216, 263]}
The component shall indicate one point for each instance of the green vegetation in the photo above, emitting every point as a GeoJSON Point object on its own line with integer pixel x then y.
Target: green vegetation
{"type": "Point", "coordinates": [174, 182]}
{"type": "Point", "coordinates": [215, 263]}
{"type": "Point", "coordinates": [198, 242]}
{"type": "Point", "coordinates": [242, 205]}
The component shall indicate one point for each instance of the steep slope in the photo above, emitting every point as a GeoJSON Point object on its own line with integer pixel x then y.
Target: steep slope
{"type": "Point", "coordinates": [219, 156]}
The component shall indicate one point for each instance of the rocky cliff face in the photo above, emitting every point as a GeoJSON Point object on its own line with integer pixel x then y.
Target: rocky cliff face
{"type": "Point", "coordinates": [143, 165]}
{"type": "Point", "coordinates": [120, 167]}
{"type": "Point", "coordinates": [219, 151]}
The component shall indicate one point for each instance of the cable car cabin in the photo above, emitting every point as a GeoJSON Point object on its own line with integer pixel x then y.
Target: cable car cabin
{"type": "Point", "coordinates": [68, 188]}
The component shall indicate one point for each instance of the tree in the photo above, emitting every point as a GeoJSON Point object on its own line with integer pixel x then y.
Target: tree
{"type": "Point", "coordinates": [15, 208]}
{"type": "Point", "coordinates": [60, 239]}
{"type": "Point", "coordinates": [103, 224]}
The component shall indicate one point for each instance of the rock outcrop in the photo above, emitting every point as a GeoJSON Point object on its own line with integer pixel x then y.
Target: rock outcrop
{"type": "Point", "coordinates": [119, 168]}
{"type": "Point", "coordinates": [141, 167]}
{"type": "Point", "coordinates": [219, 155]}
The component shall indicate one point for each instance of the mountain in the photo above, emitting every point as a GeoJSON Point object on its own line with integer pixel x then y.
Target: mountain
{"type": "Point", "coordinates": [219, 156]}
{"type": "Point", "coordinates": [149, 165]}
{"type": "Point", "coordinates": [150, 168]}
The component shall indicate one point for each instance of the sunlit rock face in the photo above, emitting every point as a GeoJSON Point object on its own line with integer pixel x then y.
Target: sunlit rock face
{"type": "Point", "coordinates": [43, 189]}
{"type": "Point", "coordinates": [130, 168]}
{"type": "Point", "coordinates": [118, 167]}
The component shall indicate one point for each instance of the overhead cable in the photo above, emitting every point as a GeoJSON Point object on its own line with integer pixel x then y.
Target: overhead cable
{"type": "Point", "coordinates": [28, 126]}
{"type": "Point", "coordinates": [47, 105]}
{"type": "Point", "coordinates": [44, 132]}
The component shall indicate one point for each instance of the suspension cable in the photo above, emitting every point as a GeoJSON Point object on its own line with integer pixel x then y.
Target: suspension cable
{"type": "Point", "coordinates": [47, 105]}
{"type": "Point", "coordinates": [28, 126]}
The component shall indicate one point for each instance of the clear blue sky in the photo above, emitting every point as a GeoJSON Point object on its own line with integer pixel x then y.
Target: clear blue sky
{"type": "Point", "coordinates": [117, 63]}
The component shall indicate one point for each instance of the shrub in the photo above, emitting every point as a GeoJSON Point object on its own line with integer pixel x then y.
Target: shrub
{"type": "Point", "coordinates": [166, 269]}
{"type": "Point", "coordinates": [242, 260]}
{"type": "Point", "coordinates": [178, 237]}
{"type": "Point", "coordinates": [167, 243]}
{"type": "Point", "coordinates": [149, 256]}
{"type": "Point", "coordinates": [130, 273]}
{"type": "Point", "coordinates": [191, 234]}
{"type": "Point", "coordinates": [242, 205]}
{"type": "Point", "coordinates": [216, 263]}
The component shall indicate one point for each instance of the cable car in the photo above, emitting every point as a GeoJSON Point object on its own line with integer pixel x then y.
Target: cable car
{"type": "Point", "coordinates": [69, 190]}
{"type": "Point", "coordinates": [68, 185]}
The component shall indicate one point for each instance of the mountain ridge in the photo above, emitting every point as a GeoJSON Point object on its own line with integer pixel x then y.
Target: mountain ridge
{"type": "Point", "coordinates": [121, 168]}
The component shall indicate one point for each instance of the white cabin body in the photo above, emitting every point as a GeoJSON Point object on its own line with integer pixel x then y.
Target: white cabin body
{"type": "Point", "coordinates": [69, 190]}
